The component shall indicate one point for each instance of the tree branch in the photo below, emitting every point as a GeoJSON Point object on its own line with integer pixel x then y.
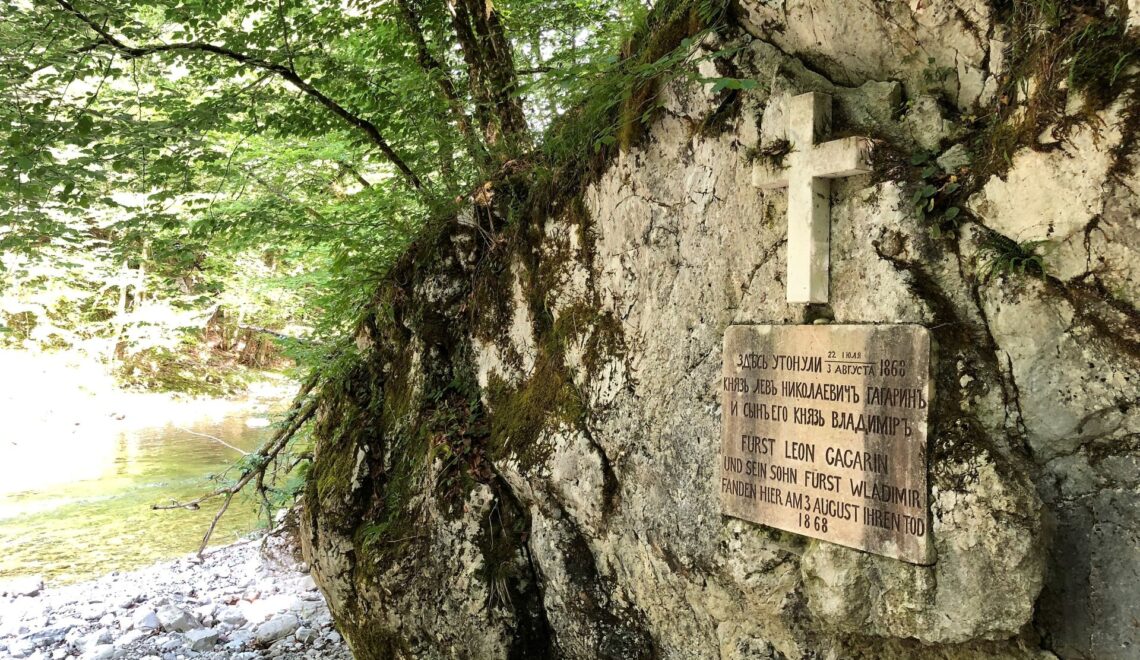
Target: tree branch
{"type": "Point", "coordinates": [368, 128]}
{"type": "Point", "coordinates": [345, 168]}
{"type": "Point", "coordinates": [273, 190]}
{"type": "Point", "coordinates": [303, 409]}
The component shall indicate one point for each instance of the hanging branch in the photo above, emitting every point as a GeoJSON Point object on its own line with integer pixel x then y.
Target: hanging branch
{"type": "Point", "coordinates": [368, 128]}
{"type": "Point", "coordinates": [302, 410]}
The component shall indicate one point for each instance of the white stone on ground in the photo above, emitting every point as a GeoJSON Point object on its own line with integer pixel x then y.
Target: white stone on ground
{"type": "Point", "coordinates": [203, 639]}
{"type": "Point", "coordinates": [176, 619]}
{"type": "Point", "coordinates": [276, 628]}
{"type": "Point", "coordinates": [236, 603]}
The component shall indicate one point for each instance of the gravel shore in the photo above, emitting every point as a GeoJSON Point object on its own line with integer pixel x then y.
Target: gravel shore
{"type": "Point", "coordinates": [242, 601]}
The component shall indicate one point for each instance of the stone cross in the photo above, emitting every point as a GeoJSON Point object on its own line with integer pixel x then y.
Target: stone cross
{"type": "Point", "coordinates": [806, 172]}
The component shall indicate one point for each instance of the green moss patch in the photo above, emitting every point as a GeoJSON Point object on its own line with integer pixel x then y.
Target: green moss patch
{"type": "Point", "coordinates": [1056, 48]}
{"type": "Point", "coordinates": [520, 415]}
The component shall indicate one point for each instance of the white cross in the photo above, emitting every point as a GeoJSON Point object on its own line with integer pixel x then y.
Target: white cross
{"type": "Point", "coordinates": [807, 172]}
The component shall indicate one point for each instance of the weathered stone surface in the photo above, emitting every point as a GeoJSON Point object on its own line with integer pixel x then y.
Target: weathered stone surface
{"type": "Point", "coordinates": [146, 620]}
{"type": "Point", "coordinates": [1074, 387]}
{"type": "Point", "coordinates": [1111, 244]}
{"type": "Point", "coordinates": [232, 616]}
{"type": "Point", "coordinates": [926, 123]}
{"type": "Point", "coordinates": [441, 615]}
{"type": "Point", "coordinates": [672, 327]}
{"type": "Point", "coordinates": [54, 633]}
{"type": "Point", "coordinates": [203, 639]}
{"type": "Point", "coordinates": [1070, 198]}
{"type": "Point", "coordinates": [978, 553]}
{"type": "Point", "coordinates": [954, 158]}
{"type": "Point", "coordinates": [175, 619]}
{"type": "Point", "coordinates": [939, 43]}
{"type": "Point", "coordinates": [276, 628]}
{"type": "Point", "coordinates": [596, 362]}
{"type": "Point", "coordinates": [1054, 194]}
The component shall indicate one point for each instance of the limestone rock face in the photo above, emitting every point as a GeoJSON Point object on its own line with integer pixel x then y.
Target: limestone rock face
{"type": "Point", "coordinates": [987, 543]}
{"type": "Point", "coordinates": [574, 373]}
{"type": "Point", "coordinates": [949, 45]}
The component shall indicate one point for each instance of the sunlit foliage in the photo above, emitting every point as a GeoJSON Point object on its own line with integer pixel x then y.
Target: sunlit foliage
{"type": "Point", "coordinates": [269, 157]}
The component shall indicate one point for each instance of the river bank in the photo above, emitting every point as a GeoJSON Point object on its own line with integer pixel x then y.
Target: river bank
{"type": "Point", "coordinates": [238, 602]}
{"type": "Point", "coordinates": [82, 461]}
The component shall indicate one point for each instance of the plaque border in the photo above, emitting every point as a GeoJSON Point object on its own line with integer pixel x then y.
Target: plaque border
{"type": "Point", "coordinates": [929, 550]}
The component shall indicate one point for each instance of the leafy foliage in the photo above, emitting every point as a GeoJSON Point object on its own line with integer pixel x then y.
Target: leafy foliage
{"type": "Point", "coordinates": [270, 158]}
{"type": "Point", "coordinates": [935, 195]}
{"type": "Point", "coordinates": [1001, 255]}
{"type": "Point", "coordinates": [190, 170]}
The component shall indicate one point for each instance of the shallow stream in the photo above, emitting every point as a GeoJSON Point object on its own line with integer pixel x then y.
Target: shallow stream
{"type": "Point", "coordinates": [75, 505]}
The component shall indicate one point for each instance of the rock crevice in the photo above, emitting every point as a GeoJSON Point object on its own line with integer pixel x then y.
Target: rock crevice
{"type": "Point", "coordinates": [525, 448]}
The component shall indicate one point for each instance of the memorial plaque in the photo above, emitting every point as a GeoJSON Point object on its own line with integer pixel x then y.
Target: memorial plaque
{"type": "Point", "coordinates": [824, 433]}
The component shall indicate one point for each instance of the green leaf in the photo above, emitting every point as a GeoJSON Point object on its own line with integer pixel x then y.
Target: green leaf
{"type": "Point", "coordinates": [83, 125]}
{"type": "Point", "coordinates": [731, 83]}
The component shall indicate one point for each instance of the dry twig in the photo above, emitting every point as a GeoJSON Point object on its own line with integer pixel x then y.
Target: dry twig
{"type": "Point", "coordinates": [303, 408]}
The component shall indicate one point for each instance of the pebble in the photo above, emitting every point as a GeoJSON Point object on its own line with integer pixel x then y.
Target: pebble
{"type": "Point", "coordinates": [202, 640]}
{"type": "Point", "coordinates": [276, 628]}
{"type": "Point", "coordinates": [235, 604]}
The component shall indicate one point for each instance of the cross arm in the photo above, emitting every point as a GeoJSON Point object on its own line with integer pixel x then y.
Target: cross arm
{"type": "Point", "coordinates": [840, 158]}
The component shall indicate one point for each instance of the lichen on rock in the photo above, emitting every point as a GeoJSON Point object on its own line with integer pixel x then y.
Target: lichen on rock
{"type": "Point", "coordinates": [519, 460]}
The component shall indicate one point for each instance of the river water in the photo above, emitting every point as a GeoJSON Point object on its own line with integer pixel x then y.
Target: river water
{"type": "Point", "coordinates": [75, 506]}
{"type": "Point", "coordinates": [81, 463]}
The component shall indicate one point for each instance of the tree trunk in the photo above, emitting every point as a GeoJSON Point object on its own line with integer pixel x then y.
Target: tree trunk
{"type": "Point", "coordinates": [140, 279]}
{"type": "Point", "coordinates": [436, 71]}
{"type": "Point", "coordinates": [491, 73]}
{"type": "Point", "coordinates": [120, 316]}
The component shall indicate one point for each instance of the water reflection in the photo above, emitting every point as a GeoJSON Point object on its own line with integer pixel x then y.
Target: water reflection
{"type": "Point", "coordinates": [77, 504]}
